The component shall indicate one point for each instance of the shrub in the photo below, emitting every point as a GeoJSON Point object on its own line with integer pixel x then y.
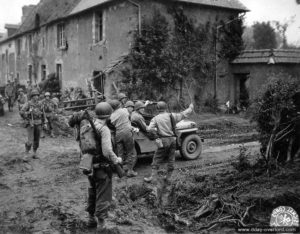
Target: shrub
{"type": "Point", "coordinates": [273, 98]}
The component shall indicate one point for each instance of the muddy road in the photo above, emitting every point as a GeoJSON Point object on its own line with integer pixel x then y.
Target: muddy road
{"type": "Point", "coordinates": [48, 194]}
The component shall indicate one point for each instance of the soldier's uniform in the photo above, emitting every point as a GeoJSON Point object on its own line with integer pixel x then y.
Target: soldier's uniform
{"type": "Point", "coordinates": [32, 112]}
{"type": "Point", "coordinates": [10, 94]}
{"type": "Point", "coordinates": [100, 190]}
{"type": "Point", "coordinates": [124, 137]}
{"type": "Point", "coordinates": [2, 102]}
{"type": "Point", "coordinates": [49, 107]}
{"type": "Point", "coordinates": [22, 99]}
{"type": "Point", "coordinates": [162, 123]}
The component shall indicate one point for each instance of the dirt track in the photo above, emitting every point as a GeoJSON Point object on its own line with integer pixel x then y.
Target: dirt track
{"type": "Point", "coordinates": [47, 195]}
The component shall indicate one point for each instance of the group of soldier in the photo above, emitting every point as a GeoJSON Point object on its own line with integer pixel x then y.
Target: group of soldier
{"type": "Point", "coordinates": [37, 113]}
{"type": "Point", "coordinates": [116, 121]}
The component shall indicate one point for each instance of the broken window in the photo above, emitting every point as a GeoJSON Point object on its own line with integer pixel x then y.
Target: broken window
{"type": "Point", "coordinates": [30, 73]}
{"type": "Point", "coordinates": [43, 72]}
{"type": "Point", "coordinates": [98, 27]}
{"type": "Point", "coordinates": [30, 43]}
{"type": "Point", "coordinates": [19, 47]}
{"type": "Point", "coordinates": [61, 41]}
{"type": "Point", "coordinates": [59, 71]}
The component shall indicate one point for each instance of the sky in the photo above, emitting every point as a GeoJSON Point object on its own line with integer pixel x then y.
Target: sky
{"type": "Point", "coordinates": [260, 10]}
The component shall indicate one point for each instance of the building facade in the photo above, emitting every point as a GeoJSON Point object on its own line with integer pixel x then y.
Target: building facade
{"type": "Point", "coordinates": [82, 39]}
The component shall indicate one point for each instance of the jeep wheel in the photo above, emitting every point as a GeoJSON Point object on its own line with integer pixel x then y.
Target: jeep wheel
{"type": "Point", "coordinates": [191, 147]}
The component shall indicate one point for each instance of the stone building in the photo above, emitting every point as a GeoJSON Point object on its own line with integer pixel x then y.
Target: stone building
{"type": "Point", "coordinates": [81, 39]}
{"type": "Point", "coordinates": [251, 69]}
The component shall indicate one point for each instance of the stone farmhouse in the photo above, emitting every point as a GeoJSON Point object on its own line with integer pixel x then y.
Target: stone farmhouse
{"type": "Point", "coordinates": [83, 40]}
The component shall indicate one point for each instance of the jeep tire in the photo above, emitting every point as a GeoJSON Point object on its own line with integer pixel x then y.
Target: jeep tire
{"type": "Point", "coordinates": [191, 147]}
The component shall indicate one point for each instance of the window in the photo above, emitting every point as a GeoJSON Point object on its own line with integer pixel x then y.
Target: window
{"type": "Point", "coordinates": [59, 71]}
{"type": "Point", "coordinates": [43, 72]}
{"type": "Point", "coordinates": [30, 43]}
{"type": "Point", "coordinates": [19, 47]}
{"type": "Point", "coordinates": [30, 72]}
{"type": "Point", "coordinates": [43, 42]}
{"type": "Point", "coordinates": [99, 81]}
{"type": "Point", "coordinates": [61, 41]}
{"type": "Point", "coordinates": [98, 28]}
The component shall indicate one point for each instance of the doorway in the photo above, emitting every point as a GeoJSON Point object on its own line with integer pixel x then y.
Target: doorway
{"type": "Point", "coordinates": [242, 98]}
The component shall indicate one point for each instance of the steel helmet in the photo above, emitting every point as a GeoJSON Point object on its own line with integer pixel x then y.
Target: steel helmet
{"type": "Point", "coordinates": [121, 96]}
{"type": "Point", "coordinates": [103, 110]}
{"type": "Point", "coordinates": [20, 90]}
{"type": "Point", "coordinates": [115, 104]}
{"type": "Point", "coordinates": [161, 106]}
{"type": "Point", "coordinates": [34, 92]}
{"type": "Point", "coordinates": [47, 94]}
{"type": "Point", "coordinates": [138, 105]}
{"type": "Point", "coordinates": [129, 104]}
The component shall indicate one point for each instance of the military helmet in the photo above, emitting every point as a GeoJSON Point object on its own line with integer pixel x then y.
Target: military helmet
{"type": "Point", "coordinates": [47, 94]}
{"type": "Point", "coordinates": [20, 90]}
{"type": "Point", "coordinates": [138, 105]}
{"type": "Point", "coordinates": [103, 110]}
{"type": "Point", "coordinates": [34, 92]}
{"type": "Point", "coordinates": [129, 104]}
{"type": "Point", "coordinates": [121, 96]}
{"type": "Point", "coordinates": [115, 104]}
{"type": "Point", "coordinates": [161, 106]}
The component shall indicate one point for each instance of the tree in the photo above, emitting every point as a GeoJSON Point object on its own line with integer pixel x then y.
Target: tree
{"type": "Point", "coordinates": [281, 29]}
{"type": "Point", "coordinates": [264, 36]}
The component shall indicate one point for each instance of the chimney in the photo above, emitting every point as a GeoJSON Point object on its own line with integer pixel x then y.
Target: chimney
{"type": "Point", "coordinates": [11, 29]}
{"type": "Point", "coordinates": [26, 11]}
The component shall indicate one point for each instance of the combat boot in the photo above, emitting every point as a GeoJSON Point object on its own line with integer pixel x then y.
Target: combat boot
{"type": "Point", "coordinates": [101, 225]}
{"type": "Point", "coordinates": [131, 173]}
{"type": "Point", "coordinates": [92, 222]}
{"type": "Point", "coordinates": [151, 177]}
{"type": "Point", "coordinates": [27, 148]}
{"type": "Point", "coordinates": [34, 155]}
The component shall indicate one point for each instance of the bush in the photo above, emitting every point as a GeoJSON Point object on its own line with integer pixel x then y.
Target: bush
{"type": "Point", "coordinates": [273, 98]}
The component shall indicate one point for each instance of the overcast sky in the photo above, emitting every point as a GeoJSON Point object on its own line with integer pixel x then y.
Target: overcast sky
{"type": "Point", "coordinates": [261, 10]}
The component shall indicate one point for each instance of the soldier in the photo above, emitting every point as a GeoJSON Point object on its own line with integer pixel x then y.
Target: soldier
{"type": "Point", "coordinates": [100, 181]}
{"type": "Point", "coordinates": [137, 117]}
{"type": "Point", "coordinates": [10, 95]}
{"type": "Point", "coordinates": [129, 106]}
{"type": "Point", "coordinates": [122, 98]}
{"type": "Point", "coordinates": [2, 102]}
{"type": "Point", "coordinates": [49, 108]}
{"type": "Point", "coordinates": [164, 124]}
{"type": "Point", "coordinates": [32, 112]}
{"type": "Point", "coordinates": [124, 136]}
{"type": "Point", "coordinates": [22, 98]}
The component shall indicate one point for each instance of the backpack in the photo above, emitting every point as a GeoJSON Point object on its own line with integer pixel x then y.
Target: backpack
{"type": "Point", "coordinates": [85, 134]}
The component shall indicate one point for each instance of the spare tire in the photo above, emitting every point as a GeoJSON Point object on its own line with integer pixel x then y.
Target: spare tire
{"type": "Point", "coordinates": [191, 147]}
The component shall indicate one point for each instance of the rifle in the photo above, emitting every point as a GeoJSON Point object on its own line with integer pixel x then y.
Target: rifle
{"type": "Point", "coordinates": [117, 167]}
{"type": "Point", "coordinates": [31, 121]}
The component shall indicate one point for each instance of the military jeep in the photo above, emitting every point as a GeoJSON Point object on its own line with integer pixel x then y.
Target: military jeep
{"type": "Point", "coordinates": [189, 140]}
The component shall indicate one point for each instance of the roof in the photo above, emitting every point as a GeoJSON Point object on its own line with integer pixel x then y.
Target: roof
{"type": "Point", "coordinates": [87, 4]}
{"type": "Point", "coordinates": [15, 26]}
{"type": "Point", "coordinates": [48, 11]}
{"type": "Point", "coordinates": [263, 56]}
{"type": "Point", "coordinates": [53, 10]}
{"type": "Point", "coordinates": [230, 4]}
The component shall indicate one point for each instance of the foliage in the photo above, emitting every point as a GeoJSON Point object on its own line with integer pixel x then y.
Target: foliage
{"type": "Point", "coordinates": [275, 96]}
{"type": "Point", "coordinates": [166, 59]}
{"type": "Point", "coordinates": [211, 104]}
{"type": "Point", "coordinates": [148, 68]}
{"type": "Point", "coordinates": [264, 36]}
{"type": "Point", "coordinates": [243, 162]}
{"type": "Point", "coordinates": [231, 39]}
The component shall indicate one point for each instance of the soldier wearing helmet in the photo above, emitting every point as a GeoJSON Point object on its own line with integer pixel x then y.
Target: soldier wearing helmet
{"type": "Point", "coordinates": [49, 109]}
{"type": "Point", "coordinates": [122, 98]}
{"type": "Point", "coordinates": [124, 136]}
{"type": "Point", "coordinates": [164, 124]}
{"type": "Point", "coordinates": [129, 105]}
{"type": "Point", "coordinates": [22, 98]}
{"type": "Point", "coordinates": [137, 118]}
{"type": "Point", "coordinates": [100, 180]}
{"type": "Point", "coordinates": [10, 95]}
{"type": "Point", "coordinates": [32, 113]}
